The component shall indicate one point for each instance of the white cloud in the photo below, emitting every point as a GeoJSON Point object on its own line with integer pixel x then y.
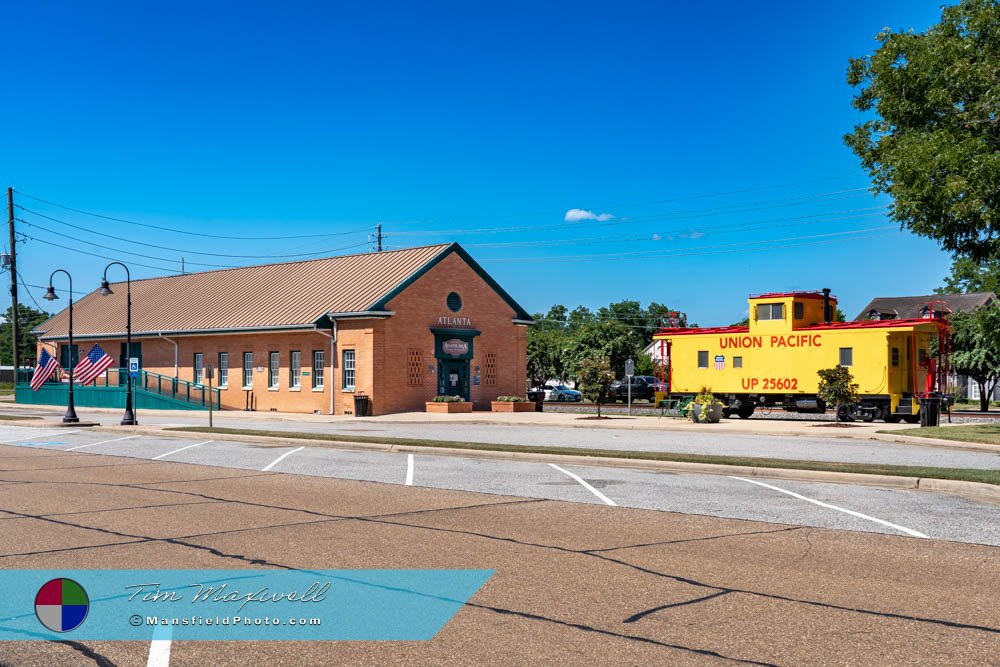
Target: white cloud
{"type": "Point", "coordinates": [656, 237]}
{"type": "Point", "coordinates": [578, 214]}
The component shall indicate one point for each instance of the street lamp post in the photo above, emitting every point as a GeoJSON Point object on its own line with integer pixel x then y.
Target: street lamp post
{"type": "Point", "coordinates": [129, 418]}
{"type": "Point", "coordinates": [50, 295]}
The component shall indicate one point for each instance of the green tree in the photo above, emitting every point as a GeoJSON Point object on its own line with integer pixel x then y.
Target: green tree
{"type": "Point", "coordinates": [595, 380]}
{"type": "Point", "coordinates": [975, 349]}
{"type": "Point", "coordinates": [613, 340]}
{"type": "Point", "coordinates": [28, 320]}
{"type": "Point", "coordinates": [837, 388]}
{"type": "Point", "coordinates": [934, 142]}
{"type": "Point", "coordinates": [968, 275]}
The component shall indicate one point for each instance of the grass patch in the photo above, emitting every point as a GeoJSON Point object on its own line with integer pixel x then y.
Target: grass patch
{"type": "Point", "coordinates": [987, 433]}
{"type": "Point", "coordinates": [963, 474]}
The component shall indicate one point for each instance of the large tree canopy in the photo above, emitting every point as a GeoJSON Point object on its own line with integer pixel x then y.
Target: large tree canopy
{"type": "Point", "coordinates": [934, 143]}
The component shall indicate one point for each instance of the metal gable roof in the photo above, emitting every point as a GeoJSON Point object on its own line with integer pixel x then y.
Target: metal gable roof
{"type": "Point", "coordinates": [270, 296]}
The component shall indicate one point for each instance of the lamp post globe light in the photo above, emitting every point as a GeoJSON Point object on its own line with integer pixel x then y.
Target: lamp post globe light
{"type": "Point", "coordinates": [129, 418]}
{"type": "Point", "coordinates": [50, 295]}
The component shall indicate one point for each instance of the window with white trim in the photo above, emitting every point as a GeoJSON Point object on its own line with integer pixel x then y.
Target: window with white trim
{"type": "Point", "coordinates": [295, 370]}
{"type": "Point", "coordinates": [199, 367]}
{"type": "Point", "coordinates": [273, 370]}
{"type": "Point", "coordinates": [319, 358]}
{"type": "Point", "coordinates": [347, 370]}
{"type": "Point", "coordinates": [223, 370]}
{"type": "Point", "coordinates": [248, 370]}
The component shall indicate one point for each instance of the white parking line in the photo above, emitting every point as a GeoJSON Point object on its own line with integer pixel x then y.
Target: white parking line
{"type": "Point", "coordinates": [903, 529]}
{"type": "Point", "coordinates": [39, 435]}
{"type": "Point", "coordinates": [197, 444]}
{"type": "Point", "coordinates": [585, 485]}
{"type": "Point", "coordinates": [409, 470]}
{"type": "Point", "coordinates": [280, 459]}
{"type": "Point", "coordinates": [159, 648]}
{"type": "Point", "coordinates": [102, 442]}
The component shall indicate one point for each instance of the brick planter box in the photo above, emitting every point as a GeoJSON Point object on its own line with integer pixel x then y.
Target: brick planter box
{"type": "Point", "coordinates": [448, 408]}
{"type": "Point", "coordinates": [512, 406]}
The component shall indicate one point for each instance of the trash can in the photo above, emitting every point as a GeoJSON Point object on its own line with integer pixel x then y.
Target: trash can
{"type": "Point", "coordinates": [361, 405]}
{"type": "Point", "coordinates": [538, 397]}
{"type": "Point", "coordinates": [930, 410]}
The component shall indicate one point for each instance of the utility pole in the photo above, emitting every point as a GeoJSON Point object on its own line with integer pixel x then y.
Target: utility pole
{"type": "Point", "coordinates": [379, 233]}
{"type": "Point", "coordinates": [14, 324]}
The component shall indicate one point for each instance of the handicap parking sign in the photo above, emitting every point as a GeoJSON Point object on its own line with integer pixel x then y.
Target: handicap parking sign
{"type": "Point", "coordinates": [133, 366]}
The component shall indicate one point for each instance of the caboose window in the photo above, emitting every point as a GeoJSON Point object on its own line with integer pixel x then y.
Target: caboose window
{"type": "Point", "coordinates": [737, 362]}
{"type": "Point", "coordinates": [770, 311]}
{"type": "Point", "coordinates": [895, 356]}
{"type": "Point", "coordinates": [702, 358]}
{"type": "Point", "coordinates": [799, 310]}
{"type": "Point", "coordinates": [847, 356]}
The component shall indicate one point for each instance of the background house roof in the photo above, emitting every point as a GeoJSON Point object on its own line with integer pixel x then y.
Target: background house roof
{"type": "Point", "coordinates": [251, 297]}
{"type": "Point", "coordinates": [908, 307]}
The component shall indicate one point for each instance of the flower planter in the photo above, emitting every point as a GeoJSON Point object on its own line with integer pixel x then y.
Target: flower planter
{"type": "Point", "coordinates": [512, 406]}
{"type": "Point", "coordinates": [713, 414]}
{"type": "Point", "coordinates": [449, 408]}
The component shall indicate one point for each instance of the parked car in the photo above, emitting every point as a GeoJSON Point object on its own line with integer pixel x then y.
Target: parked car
{"type": "Point", "coordinates": [644, 388]}
{"type": "Point", "coordinates": [561, 393]}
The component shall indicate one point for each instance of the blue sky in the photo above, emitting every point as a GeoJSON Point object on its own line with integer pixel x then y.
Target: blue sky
{"type": "Point", "coordinates": [704, 138]}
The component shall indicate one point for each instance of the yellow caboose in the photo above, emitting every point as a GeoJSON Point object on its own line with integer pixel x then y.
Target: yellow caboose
{"type": "Point", "coordinates": [774, 361]}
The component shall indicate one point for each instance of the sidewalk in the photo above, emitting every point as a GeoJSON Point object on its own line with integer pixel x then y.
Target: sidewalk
{"type": "Point", "coordinates": [755, 426]}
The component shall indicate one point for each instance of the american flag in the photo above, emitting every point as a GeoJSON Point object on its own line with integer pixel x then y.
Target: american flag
{"type": "Point", "coordinates": [46, 367]}
{"type": "Point", "coordinates": [96, 362]}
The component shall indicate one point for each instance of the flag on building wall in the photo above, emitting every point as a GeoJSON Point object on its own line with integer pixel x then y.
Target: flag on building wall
{"type": "Point", "coordinates": [47, 365]}
{"type": "Point", "coordinates": [91, 366]}
{"type": "Point", "coordinates": [720, 362]}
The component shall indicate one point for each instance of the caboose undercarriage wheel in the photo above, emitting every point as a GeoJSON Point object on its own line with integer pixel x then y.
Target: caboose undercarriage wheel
{"type": "Point", "coordinates": [846, 413]}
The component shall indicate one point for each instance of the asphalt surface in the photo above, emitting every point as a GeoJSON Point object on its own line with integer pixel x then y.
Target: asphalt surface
{"type": "Point", "coordinates": [575, 582]}
{"type": "Point", "coordinates": [907, 512]}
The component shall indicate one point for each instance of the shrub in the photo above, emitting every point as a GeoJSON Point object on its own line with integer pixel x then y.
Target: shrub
{"type": "Point", "coordinates": [447, 399]}
{"type": "Point", "coordinates": [511, 399]}
{"type": "Point", "coordinates": [705, 399]}
{"type": "Point", "coordinates": [837, 387]}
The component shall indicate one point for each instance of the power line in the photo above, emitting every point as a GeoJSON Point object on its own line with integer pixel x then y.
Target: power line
{"type": "Point", "coordinates": [30, 295]}
{"type": "Point", "coordinates": [190, 233]}
{"type": "Point", "coordinates": [183, 250]}
{"type": "Point", "coordinates": [682, 252]}
{"type": "Point", "coordinates": [668, 215]}
{"type": "Point", "coordinates": [77, 250]}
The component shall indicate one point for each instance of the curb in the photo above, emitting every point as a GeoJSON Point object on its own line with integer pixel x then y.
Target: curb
{"type": "Point", "coordinates": [971, 490]}
{"type": "Point", "coordinates": [937, 442]}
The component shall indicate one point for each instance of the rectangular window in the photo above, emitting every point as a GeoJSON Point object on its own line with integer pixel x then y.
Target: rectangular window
{"type": "Point", "coordinates": [347, 369]}
{"type": "Point", "coordinates": [318, 361]}
{"type": "Point", "coordinates": [770, 311]}
{"type": "Point", "coordinates": [737, 362]}
{"type": "Point", "coordinates": [895, 356]}
{"type": "Point", "coordinates": [703, 359]}
{"type": "Point", "coordinates": [414, 368]}
{"type": "Point", "coordinates": [248, 370]}
{"type": "Point", "coordinates": [273, 370]}
{"type": "Point", "coordinates": [847, 356]}
{"type": "Point", "coordinates": [65, 359]}
{"type": "Point", "coordinates": [799, 310]}
{"type": "Point", "coordinates": [223, 369]}
{"type": "Point", "coordinates": [199, 367]}
{"type": "Point", "coordinates": [295, 376]}
{"type": "Point", "coordinates": [490, 370]}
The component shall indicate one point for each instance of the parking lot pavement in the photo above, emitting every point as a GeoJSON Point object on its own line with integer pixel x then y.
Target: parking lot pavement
{"type": "Point", "coordinates": [575, 582]}
{"type": "Point", "coordinates": [823, 505]}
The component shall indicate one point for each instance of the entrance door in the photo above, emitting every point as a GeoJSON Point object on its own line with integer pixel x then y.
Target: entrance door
{"type": "Point", "coordinates": [453, 378]}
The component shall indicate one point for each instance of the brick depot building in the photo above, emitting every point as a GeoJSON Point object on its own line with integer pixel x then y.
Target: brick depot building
{"type": "Point", "coordinates": [400, 327]}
